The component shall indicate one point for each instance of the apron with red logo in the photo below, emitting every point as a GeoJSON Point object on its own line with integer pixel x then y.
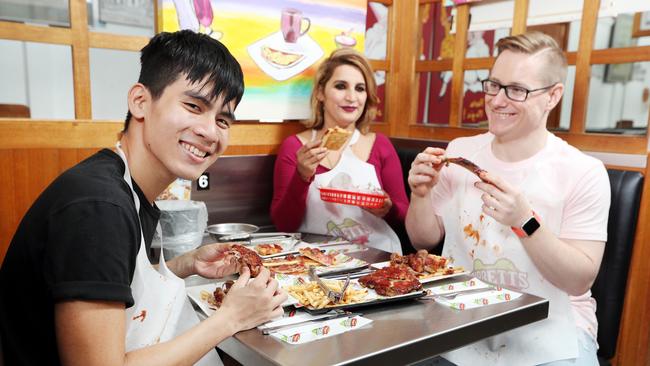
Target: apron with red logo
{"type": "Point", "coordinates": [349, 222]}
{"type": "Point", "coordinates": [161, 310]}
{"type": "Point", "coordinates": [496, 255]}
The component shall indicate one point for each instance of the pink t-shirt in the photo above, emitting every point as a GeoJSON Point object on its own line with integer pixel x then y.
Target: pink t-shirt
{"type": "Point", "coordinates": [573, 200]}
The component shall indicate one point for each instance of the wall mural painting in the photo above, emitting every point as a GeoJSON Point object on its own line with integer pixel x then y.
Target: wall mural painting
{"type": "Point", "coordinates": [376, 47]}
{"type": "Point", "coordinates": [435, 87]}
{"type": "Point", "coordinates": [279, 44]}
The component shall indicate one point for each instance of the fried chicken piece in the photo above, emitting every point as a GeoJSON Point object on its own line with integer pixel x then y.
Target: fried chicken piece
{"type": "Point", "coordinates": [416, 261]}
{"type": "Point", "coordinates": [220, 292]}
{"type": "Point", "coordinates": [434, 263]}
{"type": "Point", "coordinates": [396, 259]}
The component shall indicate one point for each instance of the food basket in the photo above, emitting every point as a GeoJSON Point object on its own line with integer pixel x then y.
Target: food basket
{"type": "Point", "coordinates": [361, 199]}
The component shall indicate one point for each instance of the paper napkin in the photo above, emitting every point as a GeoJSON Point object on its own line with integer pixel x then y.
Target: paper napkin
{"type": "Point", "coordinates": [311, 332]}
{"type": "Point", "coordinates": [492, 295]}
{"type": "Point", "coordinates": [292, 316]}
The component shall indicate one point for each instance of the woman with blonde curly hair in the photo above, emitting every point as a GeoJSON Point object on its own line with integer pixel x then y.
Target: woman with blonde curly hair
{"type": "Point", "coordinates": [344, 96]}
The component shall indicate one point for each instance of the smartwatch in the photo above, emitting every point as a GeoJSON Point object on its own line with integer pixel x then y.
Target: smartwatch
{"type": "Point", "coordinates": [528, 227]}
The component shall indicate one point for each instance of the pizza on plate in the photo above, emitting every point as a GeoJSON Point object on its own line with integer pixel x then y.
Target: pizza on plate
{"type": "Point", "coordinates": [318, 256]}
{"type": "Point", "coordinates": [290, 264]}
{"type": "Point", "coordinates": [268, 249]}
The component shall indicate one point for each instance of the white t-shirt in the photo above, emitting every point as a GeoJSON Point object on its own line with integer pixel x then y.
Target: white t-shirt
{"type": "Point", "coordinates": [573, 202]}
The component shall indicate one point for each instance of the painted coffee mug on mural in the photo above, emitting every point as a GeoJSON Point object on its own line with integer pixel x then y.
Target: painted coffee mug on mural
{"type": "Point", "coordinates": [291, 24]}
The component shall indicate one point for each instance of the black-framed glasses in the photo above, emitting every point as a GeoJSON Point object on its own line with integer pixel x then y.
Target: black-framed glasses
{"type": "Point", "coordinates": [513, 92]}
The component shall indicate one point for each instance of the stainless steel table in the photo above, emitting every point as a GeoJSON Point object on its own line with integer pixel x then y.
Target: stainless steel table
{"type": "Point", "coordinates": [401, 333]}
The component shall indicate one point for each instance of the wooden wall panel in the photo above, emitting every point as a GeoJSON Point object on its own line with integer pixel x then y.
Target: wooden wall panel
{"type": "Point", "coordinates": [520, 17]}
{"type": "Point", "coordinates": [583, 66]}
{"type": "Point", "coordinates": [80, 58]}
{"type": "Point", "coordinates": [8, 221]}
{"type": "Point", "coordinates": [25, 174]}
{"type": "Point", "coordinates": [402, 51]}
{"type": "Point", "coordinates": [34, 153]}
{"type": "Point", "coordinates": [458, 78]}
{"type": "Point", "coordinates": [35, 33]}
{"type": "Point", "coordinates": [20, 189]}
{"type": "Point", "coordinates": [634, 338]}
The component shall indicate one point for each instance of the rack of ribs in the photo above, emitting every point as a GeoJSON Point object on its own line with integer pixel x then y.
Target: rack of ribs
{"type": "Point", "coordinates": [391, 281]}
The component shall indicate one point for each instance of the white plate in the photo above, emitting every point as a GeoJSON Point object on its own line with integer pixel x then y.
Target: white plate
{"type": "Point", "coordinates": [381, 265]}
{"type": "Point", "coordinates": [305, 45]}
{"type": "Point", "coordinates": [347, 263]}
{"type": "Point", "coordinates": [350, 264]}
{"type": "Point", "coordinates": [342, 246]}
{"type": "Point", "coordinates": [194, 293]}
{"type": "Point", "coordinates": [370, 299]}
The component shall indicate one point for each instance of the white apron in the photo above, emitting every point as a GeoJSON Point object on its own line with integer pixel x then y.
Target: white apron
{"type": "Point", "coordinates": [161, 310]}
{"type": "Point", "coordinates": [500, 258]}
{"type": "Point", "coordinates": [350, 222]}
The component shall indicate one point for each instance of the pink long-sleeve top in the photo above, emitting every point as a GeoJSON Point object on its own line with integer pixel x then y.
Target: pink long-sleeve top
{"type": "Point", "coordinates": [290, 191]}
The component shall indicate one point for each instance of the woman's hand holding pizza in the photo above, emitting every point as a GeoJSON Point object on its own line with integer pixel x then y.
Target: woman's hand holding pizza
{"type": "Point", "coordinates": [308, 157]}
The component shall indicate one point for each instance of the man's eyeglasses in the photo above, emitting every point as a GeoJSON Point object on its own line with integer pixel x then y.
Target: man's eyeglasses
{"type": "Point", "coordinates": [513, 92]}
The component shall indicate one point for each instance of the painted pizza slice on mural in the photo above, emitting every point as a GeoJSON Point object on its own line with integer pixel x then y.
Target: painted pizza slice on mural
{"type": "Point", "coordinates": [279, 58]}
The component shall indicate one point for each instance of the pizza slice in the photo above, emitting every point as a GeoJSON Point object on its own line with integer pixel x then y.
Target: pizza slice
{"type": "Point", "coordinates": [282, 261]}
{"type": "Point", "coordinates": [268, 249]}
{"type": "Point", "coordinates": [334, 138]}
{"type": "Point", "coordinates": [318, 256]}
{"type": "Point", "coordinates": [289, 269]}
{"type": "Point", "coordinates": [279, 58]}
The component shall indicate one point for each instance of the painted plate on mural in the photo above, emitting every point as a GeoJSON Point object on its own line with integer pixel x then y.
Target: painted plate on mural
{"type": "Point", "coordinates": [281, 60]}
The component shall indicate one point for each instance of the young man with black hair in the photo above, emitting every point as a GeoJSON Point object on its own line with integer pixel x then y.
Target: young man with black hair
{"type": "Point", "coordinates": [76, 286]}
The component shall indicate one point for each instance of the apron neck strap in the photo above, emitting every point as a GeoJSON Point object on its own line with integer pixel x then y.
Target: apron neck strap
{"type": "Point", "coordinates": [128, 179]}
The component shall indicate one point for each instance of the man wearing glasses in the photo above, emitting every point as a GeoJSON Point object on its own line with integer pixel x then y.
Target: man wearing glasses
{"type": "Point", "coordinates": [535, 221]}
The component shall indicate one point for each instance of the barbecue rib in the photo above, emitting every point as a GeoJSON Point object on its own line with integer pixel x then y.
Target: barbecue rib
{"type": "Point", "coordinates": [220, 292]}
{"type": "Point", "coordinates": [391, 281]}
{"type": "Point", "coordinates": [467, 165]}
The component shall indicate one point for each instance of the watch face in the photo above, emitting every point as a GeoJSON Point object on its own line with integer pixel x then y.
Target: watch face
{"type": "Point", "coordinates": [530, 226]}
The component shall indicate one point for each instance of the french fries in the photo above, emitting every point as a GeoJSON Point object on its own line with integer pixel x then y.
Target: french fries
{"type": "Point", "coordinates": [310, 294]}
{"type": "Point", "coordinates": [209, 298]}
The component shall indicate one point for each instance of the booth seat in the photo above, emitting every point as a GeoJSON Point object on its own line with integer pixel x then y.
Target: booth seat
{"type": "Point", "coordinates": [609, 287]}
